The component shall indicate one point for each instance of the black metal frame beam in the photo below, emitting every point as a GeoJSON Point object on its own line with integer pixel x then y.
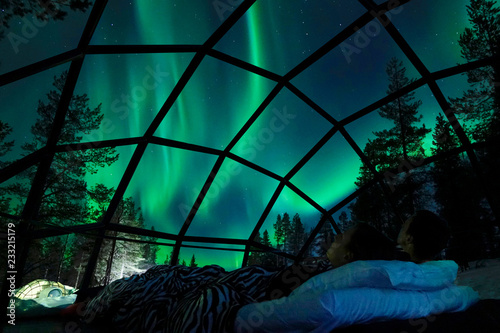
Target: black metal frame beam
{"type": "Point", "coordinates": [40, 66]}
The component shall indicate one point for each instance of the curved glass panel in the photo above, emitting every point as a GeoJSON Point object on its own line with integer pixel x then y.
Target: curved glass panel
{"type": "Point", "coordinates": [166, 184]}
{"type": "Point", "coordinates": [164, 22]}
{"type": "Point", "coordinates": [361, 130]}
{"type": "Point", "coordinates": [210, 111]}
{"type": "Point", "coordinates": [29, 39]}
{"type": "Point", "coordinates": [278, 35]}
{"type": "Point", "coordinates": [234, 203]}
{"type": "Point", "coordinates": [68, 199]}
{"type": "Point", "coordinates": [291, 203]}
{"type": "Point", "coordinates": [21, 113]}
{"type": "Point", "coordinates": [104, 179]}
{"type": "Point", "coordinates": [353, 75]}
{"type": "Point", "coordinates": [330, 174]}
{"type": "Point", "coordinates": [282, 134]}
{"type": "Point", "coordinates": [435, 41]}
{"type": "Point", "coordinates": [289, 211]}
{"type": "Point", "coordinates": [401, 134]}
{"type": "Point", "coordinates": [110, 175]}
{"type": "Point", "coordinates": [128, 90]}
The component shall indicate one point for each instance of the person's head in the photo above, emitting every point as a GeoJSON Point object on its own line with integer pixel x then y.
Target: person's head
{"type": "Point", "coordinates": [423, 236]}
{"type": "Point", "coordinates": [361, 242]}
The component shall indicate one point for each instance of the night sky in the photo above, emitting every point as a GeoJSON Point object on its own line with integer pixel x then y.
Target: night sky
{"type": "Point", "coordinates": [220, 98]}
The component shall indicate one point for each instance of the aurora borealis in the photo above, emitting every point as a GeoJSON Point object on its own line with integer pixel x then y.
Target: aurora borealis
{"type": "Point", "coordinates": [220, 98]}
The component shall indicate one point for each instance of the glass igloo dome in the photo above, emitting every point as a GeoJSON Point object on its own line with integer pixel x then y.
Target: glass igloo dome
{"type": "Point", "coordinates": [239, 132]}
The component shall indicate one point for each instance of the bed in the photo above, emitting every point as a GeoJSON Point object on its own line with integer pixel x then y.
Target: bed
{"type": "Point", "coordinates": [359, 293]}
{"type": "Point", "coordinates": [222, 298]}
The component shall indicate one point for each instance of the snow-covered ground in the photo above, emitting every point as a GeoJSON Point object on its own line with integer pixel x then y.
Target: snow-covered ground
{"type": "Point", "coordinates": [483, 276]}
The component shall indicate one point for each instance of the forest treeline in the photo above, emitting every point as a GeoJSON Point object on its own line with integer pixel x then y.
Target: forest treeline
{"type": "Point", "coordinates": [456, 187]}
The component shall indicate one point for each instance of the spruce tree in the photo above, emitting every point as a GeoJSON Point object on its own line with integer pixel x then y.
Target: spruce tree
{"type": "Point", "coordinates": [150, 250]}
{"type": "Point", "coordinates": [403, 141]}
{"type": "Point", "coordinates": [267, 258]}
{"type": "Point", "coordinates": [444, 138]}
{"type": "Point", "coordinates": [296, 234]}
{"type": "Point", "coordinates": [278, 231]}
{"type": "Point", "coordinates": [193, 262]}
{"type": "Point", "coordinates": [65, 193]}
{"type": "Point", "coordinates": [167, 258]}
{"type": "Point", "coordinates": [453, 179]}
{"type": "Point", "coordinates": [43, 10]}
{"type": "Point", "coordinates": [65, 188]}
{"type": "Point", "coordinates": [457, 194]}
{"type": "Point", "coordinates": [286, 225]}
{"type": "Point", "coordinates": [480, 105]}
{"type": "Point", "coordinates": [399, 147]}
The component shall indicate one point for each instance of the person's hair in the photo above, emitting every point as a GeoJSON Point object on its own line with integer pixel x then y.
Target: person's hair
{"type": "Point", "coordinates": [367, 243]}
{"type": "Point", "coordinates": [430, 234]}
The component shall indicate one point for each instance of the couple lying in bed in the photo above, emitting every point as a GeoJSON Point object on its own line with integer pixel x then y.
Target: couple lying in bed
{"type": "Point", "coordinates": [365, 285]}
{"type": "Point", "coordinates": [370, 281]}
{"type": "Point", "coordinates": [422, 237]}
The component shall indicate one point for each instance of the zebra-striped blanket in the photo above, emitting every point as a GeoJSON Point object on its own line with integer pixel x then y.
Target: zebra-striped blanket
{"type": "Point", "coordinates": [180, 299]}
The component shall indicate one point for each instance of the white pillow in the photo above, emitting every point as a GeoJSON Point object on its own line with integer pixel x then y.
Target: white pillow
{"type": "Point", "coordinates": [325, 310]}
{"type": "Point", "coordinates": [402, 275]}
